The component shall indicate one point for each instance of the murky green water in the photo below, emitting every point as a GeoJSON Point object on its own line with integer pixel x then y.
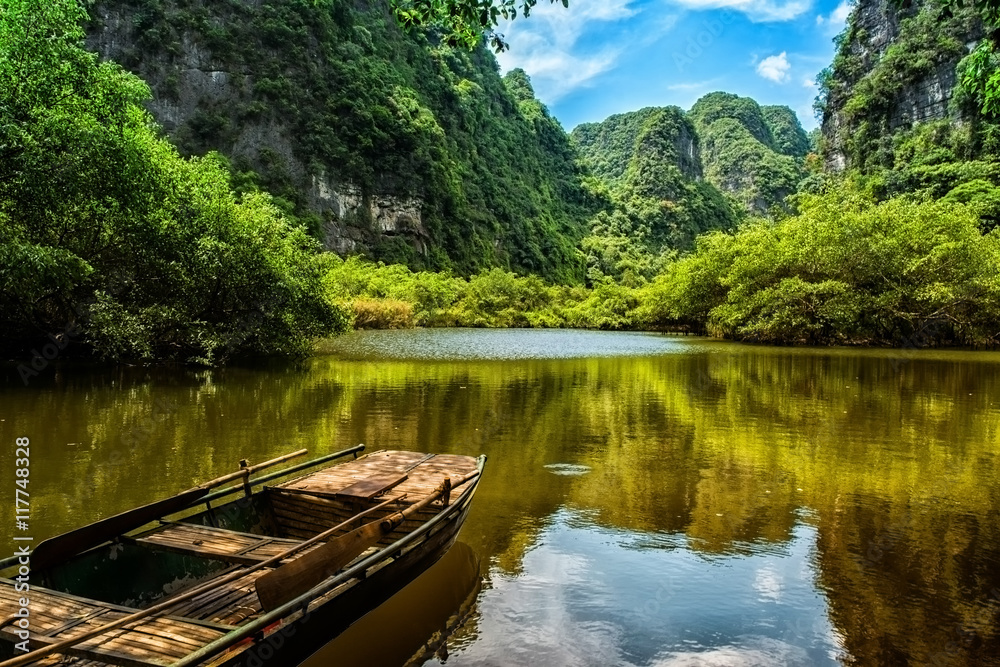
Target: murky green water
{"type": "Point", "coordinates": [648, 500]}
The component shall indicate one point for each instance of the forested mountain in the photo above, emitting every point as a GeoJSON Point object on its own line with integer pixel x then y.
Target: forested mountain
{"type": "Point", "coordinates": [749, 152]}
{"type": "Point", "coordinates": [651, 161]}
{"type": "Point", "coordinates": [752, 153]}
{"type": "Point", "coordinates": [381, 141]}
{"type": "Point", "coordinates": [611, 145]}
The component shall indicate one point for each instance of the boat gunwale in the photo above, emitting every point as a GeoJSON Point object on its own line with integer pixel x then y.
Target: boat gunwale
{"type": "Point", "coordinates": [12, 561]}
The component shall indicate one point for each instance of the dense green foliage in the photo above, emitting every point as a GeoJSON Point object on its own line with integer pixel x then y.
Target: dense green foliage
{"type": "Point", "coordinates": [379, 295]}
{"type": "Point", "coordinates": [360, 103]}
{"type": "Point", "coordinates": [752, 153]}
{"type": "Point", "coordinates": [787, 135]}
{"type": "Point", "coordinates": [610, 146]}
{"type": "Point", "coordinates": [464, 21]}
{"type": "Point", "coordinates": [845, 270]}
{"type": "Point", "coordinates": [650, 161]}
{"type": "Point", "coordinates": [106, 231]}
{"type": "Point", "coordinates": [979, 77]}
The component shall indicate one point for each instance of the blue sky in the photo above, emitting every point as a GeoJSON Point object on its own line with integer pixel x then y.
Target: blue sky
{"type": "Point", "coordinates": [601, 57]}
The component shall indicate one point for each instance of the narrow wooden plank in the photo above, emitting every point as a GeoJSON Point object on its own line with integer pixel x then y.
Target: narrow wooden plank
{"type": "Point", "coordinates": [104, 657]}
{"type": "Point", "coordinates": [370, 487]}
{"type": "Point", "coordinates": [68, 625]}
{"type": "Point", "coordinates": [246, 608]}
{"type": "Point", "coordinates": [224, 606]}
{"type": "Point", "coordinates": [195, 606]}
{"type": "Point", "coordinates": [189, 607]}
{"type": "Point", "coordinates": [287, 518]}
{"type": "Point", "coordinates": [312, 510]}
{"type": "Point", "coordinates": [237, 559]}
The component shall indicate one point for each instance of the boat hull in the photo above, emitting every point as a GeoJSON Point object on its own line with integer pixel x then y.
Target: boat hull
{"type": "Point", "coordinates": [200, 623]}
{"type": "Point", "coordinates": [295, 641]}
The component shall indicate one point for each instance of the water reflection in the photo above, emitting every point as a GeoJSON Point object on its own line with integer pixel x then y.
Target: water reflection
{"type": "Point", "coordinates": [874, 472]}
{"type": "Point", "coordinates": [593, 595]}
{"type": "Point", "coordinates": [416, 624]}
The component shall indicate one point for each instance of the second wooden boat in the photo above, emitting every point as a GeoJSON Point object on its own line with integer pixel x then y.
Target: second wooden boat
{"type": "Point", "coordinates": [257, 577]}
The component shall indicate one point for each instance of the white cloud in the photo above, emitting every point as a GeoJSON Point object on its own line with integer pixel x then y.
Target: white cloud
{"type": "Point", "coordinates": [759, 11]}
{"type": "Point", "coordinates": [837, 19]}
{"type": "Point", "coordinates": [775, 68]}
{"type": "Point", "coordinates": [546, 45]}
{"type": "Point", "coordinates": [808, 82]}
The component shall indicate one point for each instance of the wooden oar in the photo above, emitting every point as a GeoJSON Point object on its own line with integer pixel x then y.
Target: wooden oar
{"type": "Point", "coordinates": [30, 657]}
{"type": "Point", "coordinates": [308, 570]}
{"type": "Point", "coordinates": [58, 549]}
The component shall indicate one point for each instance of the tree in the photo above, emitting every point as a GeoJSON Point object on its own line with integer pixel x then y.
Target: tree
{"type": "Point", "coordinates": [464, 22]}
{"type": "Point", "coordinates": [979, 73]}
{"type": "Point", "coordinates": [106, 230]}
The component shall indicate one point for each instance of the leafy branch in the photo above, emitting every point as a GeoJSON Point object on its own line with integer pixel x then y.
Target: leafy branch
{"type": "Point", "coordinates": [464, 22]}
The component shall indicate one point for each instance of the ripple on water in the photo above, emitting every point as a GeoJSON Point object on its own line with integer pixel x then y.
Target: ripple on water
{"type": "Point", "coordinates": [501, 344]}
{"type": "Point", "coordinates": [567, 469]}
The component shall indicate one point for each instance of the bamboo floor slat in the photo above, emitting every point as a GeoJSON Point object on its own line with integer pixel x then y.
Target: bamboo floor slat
{"type": "Point", "coordinates": [54, 617]}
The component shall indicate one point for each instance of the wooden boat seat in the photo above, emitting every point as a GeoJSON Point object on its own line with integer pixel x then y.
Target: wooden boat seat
{"type": "Point", "coordinates": [225, 545]}
{"type": "Point", "coordinates": [55, 616]}
{"type": "Point", "coordinates": [367, 489]}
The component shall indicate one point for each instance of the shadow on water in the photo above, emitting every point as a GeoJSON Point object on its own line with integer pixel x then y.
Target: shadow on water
{"type": "Point", "coordinates": [416, 623]}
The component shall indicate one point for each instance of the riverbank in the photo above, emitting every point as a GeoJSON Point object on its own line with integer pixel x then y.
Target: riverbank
{"type": "Point", "coordinates": [846, 270]}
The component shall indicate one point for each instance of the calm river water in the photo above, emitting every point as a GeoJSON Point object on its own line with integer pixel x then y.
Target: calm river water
{"type": "Point", "coordinates": [648, 500]}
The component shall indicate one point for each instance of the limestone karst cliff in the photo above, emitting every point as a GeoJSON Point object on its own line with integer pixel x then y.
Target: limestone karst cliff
{"type": "Point", "coordinates": [380, 141]}
{"type": "Point", "coordinates": [895, 68]}
{"type": "Point", "coordinates": [749, 152]}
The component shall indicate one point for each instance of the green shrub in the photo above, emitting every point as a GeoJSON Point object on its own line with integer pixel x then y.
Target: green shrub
{"type": "Point", "coordinates": [382, 314]}
{"type": "Point", "coordinates": [845, 270]}
{"type": "Point", "coordinates": [104, 225]}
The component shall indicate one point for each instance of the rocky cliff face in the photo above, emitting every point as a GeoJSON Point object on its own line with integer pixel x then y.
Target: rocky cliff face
{"type": "Point", "coordinates": [383, 142]}
{"type": "Point", "coordinates": [350, 216]}
{"type": "Point", "coordinates": [661, 134]}
{"type": "Point", "coordinates": [895, 68]}
{"type": "Point", "coordinates": [194, 92]}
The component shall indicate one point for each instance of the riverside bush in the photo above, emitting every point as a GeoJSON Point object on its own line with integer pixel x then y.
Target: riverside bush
{"type": "Point", "coordinates": [845, 270]}
{"type": "Point", "coordinates": [104, 226]}
{"type": "Point", "coordinates": [382, 314]}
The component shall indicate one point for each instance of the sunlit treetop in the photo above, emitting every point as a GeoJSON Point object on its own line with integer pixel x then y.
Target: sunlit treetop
{"type": "Point", "coordinates": [464, 22]}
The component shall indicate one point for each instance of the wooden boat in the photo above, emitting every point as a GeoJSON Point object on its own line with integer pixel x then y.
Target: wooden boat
{"type": "Point", "coordinates": [256, 577]}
